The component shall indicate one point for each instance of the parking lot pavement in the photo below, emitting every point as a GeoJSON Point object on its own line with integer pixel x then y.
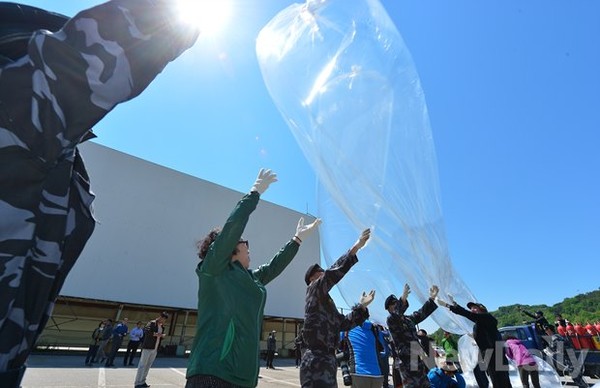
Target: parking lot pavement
{"type": "Point", "coordinates": [54, 371]}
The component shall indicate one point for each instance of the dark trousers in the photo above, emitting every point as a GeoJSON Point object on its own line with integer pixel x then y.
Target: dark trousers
{"type": "Point", "coordinates": [318, 369]}
{"type": "Point", "coordinates": [499, 376]}
{"type": "Point", "coordinates": [384, 366]}
{"type": "Point", "coordinates": [270, 357]}
{"type": "Point", "coordinates": [525, 371]}
{"type": "Point", "coordinates": [207, 381]}
{"type": "Point", "coordinates": [132, 347]}
{"type": "Point", "coordinates": [91, 354]}
{"type": "Point", "coordinates": [116, 344]}
{"type": "Point", "coordinates": [480, 377]}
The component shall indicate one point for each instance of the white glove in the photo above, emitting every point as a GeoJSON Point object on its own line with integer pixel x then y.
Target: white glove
{"type": "Point", "coordinates": [361, 242]}
{"type": "Point", "coordinates": [304, 230]}
{"type": "Point", "coordinates": [263, 180]}
{"type": "Point", "coordinates": [405, 292]}
{"type": "Point", "coordinates": [451, 299]}
{"type": "Point", "coordinates": [433, 291]}
{"type": "Point", "coordinates": [365, 299]}
{"type": "Point", "coordinates": [440, 302]}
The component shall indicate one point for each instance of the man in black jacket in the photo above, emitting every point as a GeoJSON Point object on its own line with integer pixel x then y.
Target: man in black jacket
{"type": "Point", "coordinates": [488, 339]}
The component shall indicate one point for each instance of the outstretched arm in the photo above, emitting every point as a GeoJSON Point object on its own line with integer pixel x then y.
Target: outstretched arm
{"type": "Point", "coordinates": [526, 312]}
{"type": "Point", "coordinates": [219, 254]}
{"type": "Point", "coordinates": [267, 272]}
{"type": "Point", "coordinates": [71, 79]}
{"type": "Point", "coordinates": [459, 310]}
{"type": "Point", "coordinates": [336, 272]}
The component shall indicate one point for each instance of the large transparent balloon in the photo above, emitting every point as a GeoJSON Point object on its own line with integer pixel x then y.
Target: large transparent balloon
{"type": "Point", "coordinates": [343, 79]}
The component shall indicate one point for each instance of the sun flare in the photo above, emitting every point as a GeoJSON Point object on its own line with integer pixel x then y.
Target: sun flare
{"type": "Point", "coordinates": [210, 16]}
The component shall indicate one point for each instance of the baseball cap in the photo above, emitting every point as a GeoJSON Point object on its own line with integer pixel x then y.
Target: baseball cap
{"type": "Point", "coordinates": [481, 306]}
{"type": "Point", "coordinates": [311, 270]}
{"type": "Point", "coordinates": [389, 300]}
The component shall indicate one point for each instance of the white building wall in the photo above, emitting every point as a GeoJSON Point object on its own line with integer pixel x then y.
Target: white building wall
{"type": "Point", "coordinates": [149, 220]}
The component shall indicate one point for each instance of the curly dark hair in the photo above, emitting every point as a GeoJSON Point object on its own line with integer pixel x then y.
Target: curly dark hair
{"type": "Point", "coordinates": [205, 243]}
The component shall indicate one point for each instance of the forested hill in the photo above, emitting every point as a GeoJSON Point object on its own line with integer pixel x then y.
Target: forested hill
{"type": "Point", "coordinates": [582, 308]}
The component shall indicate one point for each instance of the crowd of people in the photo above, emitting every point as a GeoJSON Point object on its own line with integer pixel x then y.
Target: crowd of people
{"type": "Point", "coordinates": [107, 339]}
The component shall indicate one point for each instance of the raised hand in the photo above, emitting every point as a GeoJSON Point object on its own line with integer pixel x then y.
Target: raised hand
{"type": "Point", "coordinates": [405, 292]}
{"type": "Point", "coordinates": [366, 299]}
{"type": "Point", "coordinates": [263, 180]}
{"type": "Point", "coordinates": [303, 231]}
{"type": "Point", "coordinates": [433, 291]}
{"type": "Point", "coordinates": [361, 242]}
{"type": "Point", "coordinates": [451, 299]}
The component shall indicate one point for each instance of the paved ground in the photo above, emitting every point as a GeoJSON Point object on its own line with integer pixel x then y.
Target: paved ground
{"type": "Point", "coordinates": [70, 372]}
{"type": "Point", "coordinates": [53, 371]}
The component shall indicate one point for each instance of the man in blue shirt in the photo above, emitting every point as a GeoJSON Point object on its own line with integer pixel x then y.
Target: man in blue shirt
{"type": "Point", "coordinates": [365, 344]}
{"type": "Point", "coordinates": [119, 332]}
{"type": "Point", "coordinates": [135, 338]}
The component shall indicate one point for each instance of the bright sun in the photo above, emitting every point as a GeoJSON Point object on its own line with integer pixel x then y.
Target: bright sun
{"type": "Point", "coordinates": [210, 16]}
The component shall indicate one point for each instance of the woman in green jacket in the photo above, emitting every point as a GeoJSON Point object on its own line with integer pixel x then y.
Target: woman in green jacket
{"type": "Point", "coordinates": [231, 298]}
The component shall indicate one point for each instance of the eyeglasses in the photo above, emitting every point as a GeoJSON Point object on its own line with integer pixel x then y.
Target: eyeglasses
{"type": "Point", "coordinates": [244, 242]}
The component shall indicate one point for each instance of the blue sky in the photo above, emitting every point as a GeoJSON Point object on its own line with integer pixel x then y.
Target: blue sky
{"type": "Point", "coordinates": [513, 91]}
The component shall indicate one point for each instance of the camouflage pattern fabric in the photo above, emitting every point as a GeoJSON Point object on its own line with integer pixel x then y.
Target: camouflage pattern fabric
{"type": "Point", "coordinates": [404, 333]}
{"type": "Point", "coordinates": [323, 324]}
{"type": "Point", "coordinates": [49, 99]}
{"type": "Point", "coordinates": [318, 370]}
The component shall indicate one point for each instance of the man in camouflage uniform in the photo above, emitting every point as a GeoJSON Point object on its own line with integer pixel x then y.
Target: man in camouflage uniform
{"type": "Point", "coordinates": [54, 86]}
{"type": "Point", "coordinates": [411, 356]}
{"type": "Point", "coordinates": [322, 321]}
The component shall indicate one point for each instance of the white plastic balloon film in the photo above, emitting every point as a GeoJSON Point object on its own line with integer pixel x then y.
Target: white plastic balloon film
{"type": "Point", "coordinates": [346, 84]}
{"type": "Point", "coordinates": [469, 355]}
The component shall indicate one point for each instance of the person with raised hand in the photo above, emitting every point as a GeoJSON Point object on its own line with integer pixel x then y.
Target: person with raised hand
{"type": "Point", "coordinates": [231, 297]}
{"type": "Point", "coordinates": [322, 321]}
{"type": "Point", "coordinates": [488, 339]}
{"type": "Point", "coordinates": [404, 333]}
